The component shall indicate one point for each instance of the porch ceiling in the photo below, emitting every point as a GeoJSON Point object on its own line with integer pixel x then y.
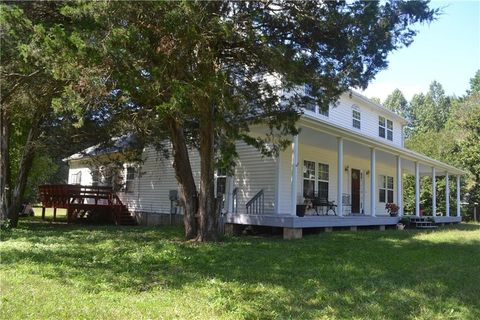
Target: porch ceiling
{"type": "Point", "coordinates": [361, 149]}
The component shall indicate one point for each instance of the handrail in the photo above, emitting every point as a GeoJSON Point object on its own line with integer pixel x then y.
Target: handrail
{"type": "Point", "coordinates": [256, 205]}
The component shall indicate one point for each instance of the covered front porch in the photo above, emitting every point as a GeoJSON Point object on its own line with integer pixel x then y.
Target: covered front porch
{"type": "Point", "coordinates": [357, 174]}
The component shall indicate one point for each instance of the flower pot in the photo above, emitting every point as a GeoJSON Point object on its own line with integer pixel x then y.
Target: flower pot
{"type": "Point", "coordinates": [301, 208]}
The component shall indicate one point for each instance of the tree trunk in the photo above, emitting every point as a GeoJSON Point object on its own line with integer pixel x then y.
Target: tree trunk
{"type": "Point", "coordinates": [183, 172]}
{"type": "Point", "coordinates": [208, 215]}
{"type": "Point", "coordinates": [24, 169]}
{"type": "Point", "coordinates": [4, 162]}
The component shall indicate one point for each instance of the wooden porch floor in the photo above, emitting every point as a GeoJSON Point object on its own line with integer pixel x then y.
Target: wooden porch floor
{"type": "Point", "coordinates": [290, 221]}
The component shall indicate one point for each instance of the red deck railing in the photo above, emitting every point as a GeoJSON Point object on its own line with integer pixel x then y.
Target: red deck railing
{"type": "Point", "coordinates": [75, 198]}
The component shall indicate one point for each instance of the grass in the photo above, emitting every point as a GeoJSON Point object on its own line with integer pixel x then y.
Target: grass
{"type": "Point", "coordinates": [58, 271]}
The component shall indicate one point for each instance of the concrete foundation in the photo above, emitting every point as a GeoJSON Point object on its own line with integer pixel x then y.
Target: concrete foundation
{"type": "Point", "coordinates": [381, 228]}
{"type": "Point", "coordinates": [292, 233]}
{"type": "Point", "coordinates": [328, 229]}
{"type": "Point", "coordinates": [231, 229]}
{"type": "Point", "coordinates": [354, 228]}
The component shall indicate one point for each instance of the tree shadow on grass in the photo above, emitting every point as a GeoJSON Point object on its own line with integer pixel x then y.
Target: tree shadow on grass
{"type": "Point", "coordinates": [385, 274]}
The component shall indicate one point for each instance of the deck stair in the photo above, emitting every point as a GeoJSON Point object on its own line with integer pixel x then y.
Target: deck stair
{"type": "Point", "coordinates": [422, 223]}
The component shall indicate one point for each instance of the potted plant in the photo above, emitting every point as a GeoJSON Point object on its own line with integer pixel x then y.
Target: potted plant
{"type": "Point", "coordinates": [392, 209]}
{"type": "Point", "coordinates": [301, 208]}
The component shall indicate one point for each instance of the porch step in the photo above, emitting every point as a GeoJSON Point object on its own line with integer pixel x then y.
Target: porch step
{"type": "Point", "coordinates": [423, 223]}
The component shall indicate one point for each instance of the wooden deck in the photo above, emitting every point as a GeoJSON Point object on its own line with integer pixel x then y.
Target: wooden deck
{"type": "Point", "coordinates": [94, 203]}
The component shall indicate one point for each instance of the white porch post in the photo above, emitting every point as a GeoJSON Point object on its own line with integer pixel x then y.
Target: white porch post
{"type": "Point", "coordinates": [417, 189]}
{"type": "Point", "coordinates": [434, 192]}
{"type": "Point", "coordinates": [373, 177]}
{"type": "Point", "coordinates": [447, 196]}
{"type": "Point", "coordinates": [340, 176]}
{"type": "Point", "coordinates": [229, 200]}
{"type": "Point", "coordinates": [293, 195]}
{"type": "Point", "coordinates": [278, 185]}
{"type": "Point", "coordinates": [399, 186]}
{"type": "Point", "coordinates": [458, 197]}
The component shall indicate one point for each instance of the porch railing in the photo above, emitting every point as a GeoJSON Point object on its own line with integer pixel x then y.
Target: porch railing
{"type": "Point", "coordinates": [256, 205]}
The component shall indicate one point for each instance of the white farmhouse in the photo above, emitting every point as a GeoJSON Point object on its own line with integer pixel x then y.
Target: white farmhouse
{"type": "Point", "coordinates": [349, 159]}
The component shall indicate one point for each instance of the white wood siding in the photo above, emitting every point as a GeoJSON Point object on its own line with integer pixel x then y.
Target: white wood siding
{"type": "Point", "coordinates": [253, 173]}
{"type": "Point", "coordinates": [341, 115]}
{"type": "Point", "coordinates": [79, 166]}
{"type": "Point", "coordinates": [154, 179]}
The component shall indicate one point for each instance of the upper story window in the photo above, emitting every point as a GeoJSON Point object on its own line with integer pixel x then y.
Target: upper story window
{"type": "Point", "coordinates": [312, 106]}
{"type": "Point", "coordinates": [385, 128]}
{"type": "Point", "coordinates": [356, 118]}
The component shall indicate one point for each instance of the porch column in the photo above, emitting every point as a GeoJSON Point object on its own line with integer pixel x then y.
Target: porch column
{"type": "Point", "coordinates": [229, 204]}
{"type": "Point", "coordinates": [293, 195]}
{"type": "Point", "coordinates": [447, 196]}
{"type": "Point", "coordinates": [417, 189]}
{"type": "Point", "coordinates": [399, 186]}
{"type": "Point", "coordinates": [373, 184]}
{"type": "Point", "coordinates": [340, 176]}
{"type": "Point", "coordinates": [434, 192]}
{"type": "Point", "coordinates": [458, 197]}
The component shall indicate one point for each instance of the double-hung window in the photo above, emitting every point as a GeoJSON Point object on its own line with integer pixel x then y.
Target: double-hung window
{"type": "Point", "coordinates": [129, 179]}
{"type": "Point", "coordinates": [385, 191]}
{"type": "Point", "coordinates": [221, 182]}
{"type": "Point", "coordinates": [308, 179]}
{"type": "Point", "coordinates": [315, 179]}
{"type": "Point", "coordinates": [312, 106]}
{"type": "Point", "coordinates": [77, 178]}
{"type": "Point", "coordinates": [385, 128]}
{"type": "Point", "coordinates": [95, 177]}
{"type": "Point", "coordinates": [356, 118]}
{"type": "Point", "coordinates": [323, 175]}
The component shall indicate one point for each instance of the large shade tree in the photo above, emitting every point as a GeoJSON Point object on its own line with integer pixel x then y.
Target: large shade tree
{"type": "Point", "coordinates": [34, 137]}
{"type": "Point", "coordinates": [202, 73]}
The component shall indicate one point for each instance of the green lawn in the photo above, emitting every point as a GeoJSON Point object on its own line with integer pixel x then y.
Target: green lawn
{"type": "Point", "coordinates": [55, 271]}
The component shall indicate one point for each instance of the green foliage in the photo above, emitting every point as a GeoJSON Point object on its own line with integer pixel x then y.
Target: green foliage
{"type": "Point", "coordinates": [447, 129]}
{"type": "Point", "coordinates": [43, 170]}
{"type": "Point", "coordinates": [225, 56]}
{"type": "Point", "coordinates": [430, 111]}
{"type": "Point", "coordinates": [93, 272]}
{"type": "Point", "coordinates": [397, 103]}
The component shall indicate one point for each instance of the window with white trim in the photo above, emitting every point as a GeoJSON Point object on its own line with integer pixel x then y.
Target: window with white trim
{"type": "Point", "coordinates": [77, 178]}
{"type": "Point", "coordinates": [308, 179]}
{"type": "Point", "coordinates": [312, 106]}
{"type": "Point", "coordinates": [129, 179]}
{"type": "Point", "coordinates": [385, 191]}
{"type": "Point", "coordinates": [95, 177]}
{"type": "Point", "coordinates": [356, 118]}
{"type": "Point", "coordinates": [315, 179]}
{"type": "Point", "coordinates": [323, 111]}
{"type": "Point", "coordinates": [385, 128]}
{"type": "Point", "coordinates": [220, 182]}
{"type": "Point", "coordinates": [323, 179]}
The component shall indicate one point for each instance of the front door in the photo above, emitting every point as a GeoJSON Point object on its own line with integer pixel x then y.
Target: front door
{"type": "Point", "coordinates": [355, 191]}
